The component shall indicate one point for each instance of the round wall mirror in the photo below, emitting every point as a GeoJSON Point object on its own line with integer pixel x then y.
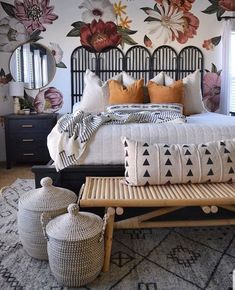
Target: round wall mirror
{"type": "Point", "coordinates": [33, 64]}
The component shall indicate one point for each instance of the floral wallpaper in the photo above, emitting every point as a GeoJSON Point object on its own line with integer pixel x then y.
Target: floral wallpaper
{"type": "Point", "coordinates": [171, 21]}
{"type": "Point", "coordinates": [101, 24]}
{"type": "Point", "coordinates": [25, 22]}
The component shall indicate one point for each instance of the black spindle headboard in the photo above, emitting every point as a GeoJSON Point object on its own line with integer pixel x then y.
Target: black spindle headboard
{"type": "Point", "coordinates": [137, 61]}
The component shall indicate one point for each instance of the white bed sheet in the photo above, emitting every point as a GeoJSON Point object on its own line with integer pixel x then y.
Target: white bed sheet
{"type": "Point", "coordinates": [106, 148]}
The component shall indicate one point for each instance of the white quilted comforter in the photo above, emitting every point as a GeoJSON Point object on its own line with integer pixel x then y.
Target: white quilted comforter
{"type": "Point", "coordinates": [106, 148]}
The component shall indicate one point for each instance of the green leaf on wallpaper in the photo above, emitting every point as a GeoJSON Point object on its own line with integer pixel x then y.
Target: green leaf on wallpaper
{"type": "Point", "coordinates": [74, 32]}
{"type": "Point", "coordinates": [149, 19]}
{"type": "Point", "coordinates": [61, 65]}
{"type": "Point", "coordinates": [124, 30]}
{"type": "Point", "coordinates": [215, 2]}
{"type": "Point", "coordinates": [211, 9]}
{"type": "Point", "coordinates": [128, 40]}
{"type": "Point", "coordinates": [8, 8]}
{"type": "Point", "coordinates": [220, 12]}
{"type": "Point", "coordinates": [219, 72]}
{"type": "Point", "coordinates": [78, 24]}
{"type": "Point", "coordinates": [216, 40]}
{"type": "Point", "coordinates": [2, 73]}
{"type": "Point", "coordinates": [157, 9]}
{"type": "Point", "coordinates": [35, 35]}
{"type": "Point", "coordinates": [213, 68]}
{"type": "Point", "coordinates": [146, 9]}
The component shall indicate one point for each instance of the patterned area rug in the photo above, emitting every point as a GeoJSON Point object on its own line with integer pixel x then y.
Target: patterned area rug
{"type": "Point", "coordinates": [149, 259]}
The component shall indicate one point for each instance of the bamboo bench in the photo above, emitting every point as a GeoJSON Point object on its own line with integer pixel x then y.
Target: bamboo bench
{"type": "Point", "coordinates": [114, 196]}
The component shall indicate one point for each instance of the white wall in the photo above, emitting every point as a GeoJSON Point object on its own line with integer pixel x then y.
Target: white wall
{"type": "Point", "coordinates": [69, 12]}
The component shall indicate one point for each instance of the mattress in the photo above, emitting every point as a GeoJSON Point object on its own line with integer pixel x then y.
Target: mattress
{"type": "Point", "coordinates": [106, 148]}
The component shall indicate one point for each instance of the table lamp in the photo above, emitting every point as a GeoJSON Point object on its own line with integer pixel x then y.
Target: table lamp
{"type": "Point", "coordinates": [16, 90]}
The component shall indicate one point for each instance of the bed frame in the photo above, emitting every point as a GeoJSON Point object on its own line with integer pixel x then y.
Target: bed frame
{"type": "Point", "coordinates": [139, 62]}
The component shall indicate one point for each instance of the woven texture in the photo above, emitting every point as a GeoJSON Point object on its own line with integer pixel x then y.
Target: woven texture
{"type": "Point", "coordinates": [75, 247]}
{"type": "Point", "coordinates": [147, 164]}
{"type": "Point", "coordinates": [51, 199]}
{"type": "Point", "coordinates": [163, 259]}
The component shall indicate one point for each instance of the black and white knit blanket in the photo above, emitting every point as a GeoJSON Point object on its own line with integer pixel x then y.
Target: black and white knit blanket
{"type": "Point", "coordinates": [70, 137]}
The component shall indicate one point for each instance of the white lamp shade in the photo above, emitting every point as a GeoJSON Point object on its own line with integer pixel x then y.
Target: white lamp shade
{"type": "Point", "coordinates": [16, 89]}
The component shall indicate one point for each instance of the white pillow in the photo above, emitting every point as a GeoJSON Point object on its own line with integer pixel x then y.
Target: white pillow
{"type": "Point", "coordinates": [192, 92]}
{"type": "Point", "coordinates": [96, 93]}
{"type": "Point", "coordinates": [147, 164]}
{"type": "Point", "coordinates": [159, 78]}
{"type": "Point", "coordinates": [76, 107]}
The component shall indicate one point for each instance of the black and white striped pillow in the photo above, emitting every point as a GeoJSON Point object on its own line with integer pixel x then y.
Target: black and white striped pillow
{"type": "Point", "coordinates": [133, 108]}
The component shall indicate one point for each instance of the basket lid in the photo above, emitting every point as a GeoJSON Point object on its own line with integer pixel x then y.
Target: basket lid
{"type": "Point", "coordinates": [47, 198]}
{"type": "Point", "coordinates": [74, 225]}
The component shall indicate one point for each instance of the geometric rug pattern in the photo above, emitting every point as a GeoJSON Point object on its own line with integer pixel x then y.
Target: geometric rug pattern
{"type": "Point", "coordinates": [147, 259]}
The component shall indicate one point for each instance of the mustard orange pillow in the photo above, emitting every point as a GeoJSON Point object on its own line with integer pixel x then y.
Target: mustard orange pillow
{"type": "Point", "coordinates": [119, 94]}
{"type": "Point", "coordinates": [166, 94]}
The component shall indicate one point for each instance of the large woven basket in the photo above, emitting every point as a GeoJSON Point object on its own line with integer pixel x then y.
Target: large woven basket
{"type": "Point", "coordinates": [48, 198]}
{"type": "Point", "coordinates": [75, 247]}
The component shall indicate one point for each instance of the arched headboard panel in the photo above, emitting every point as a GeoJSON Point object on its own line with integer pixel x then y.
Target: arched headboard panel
{"type": "Point", "coordinates": [190, 58]}
{"type": "Point", "coordinates": [137, 61]}
{"type": "Point", "coordinates": [110, 63]}
{"type": "Point", "coordinates": [81, 59]}
{"type": "Point", "coordinates": [164, 58]}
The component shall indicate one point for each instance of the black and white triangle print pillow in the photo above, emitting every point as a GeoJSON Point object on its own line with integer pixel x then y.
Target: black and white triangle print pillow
{"type": "Point", "coordinates": [147, 164]}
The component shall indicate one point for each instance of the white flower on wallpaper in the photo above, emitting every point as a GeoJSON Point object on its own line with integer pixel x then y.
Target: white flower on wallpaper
{"type": "Point", "coordinates": [12, 33]}
{"type": "Point", "coordinates": [97, 10]}
{"type": "Point", "coordinates": [57, 53]}
{"type": "Point", "coordinates": [169, 21]}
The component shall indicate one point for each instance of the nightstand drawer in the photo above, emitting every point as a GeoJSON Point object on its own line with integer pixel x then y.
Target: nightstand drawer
{"type": "Point", "coordinates": [31, 155]}
{"type": "Point", "coordinates": [30, 125]}
{"type": "Point", "coordinates": [29, 139]}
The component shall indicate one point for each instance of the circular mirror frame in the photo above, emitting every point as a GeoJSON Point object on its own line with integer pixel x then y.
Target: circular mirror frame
{"type": "Point", "coordinates": [52, 68]}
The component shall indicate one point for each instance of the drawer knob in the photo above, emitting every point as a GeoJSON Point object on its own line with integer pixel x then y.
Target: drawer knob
{"type": "Point", "coordinates": [28, 154]}
{"type": "Point", "coordinates": [27, 126]}
{"type": "Point", "coordinates": [28, 140]}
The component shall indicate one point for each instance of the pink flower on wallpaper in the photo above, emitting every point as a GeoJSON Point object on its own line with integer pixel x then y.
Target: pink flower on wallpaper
{"type": "Point", "coordinates": [48, 100]}
{"type": "Point", "coordinates": [228, 5]}
{"type": "Point", "coordinates": [99, 35]}
{"type": "Point", "coordinates": [34, 14]}
{"type": "Point", "coordinates": [211, 89]}
{"type": "Point", "coordinates": [209, 44]}
{"type": "Point", "coordinates": [190, 26]}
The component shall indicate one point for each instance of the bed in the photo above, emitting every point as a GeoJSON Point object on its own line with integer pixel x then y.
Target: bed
{"type": "Point", "coordinates": [100, 159]}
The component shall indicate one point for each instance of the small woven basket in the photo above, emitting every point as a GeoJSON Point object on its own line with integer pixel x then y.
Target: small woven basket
{"type": "Point", "coordinates": [75, 246]}
{"type": "Point", "coordinates": [48, 198]}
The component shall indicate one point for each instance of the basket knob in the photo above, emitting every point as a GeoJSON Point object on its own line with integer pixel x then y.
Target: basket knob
{"type": "Point", "coordinates": [73, 209]}
{"type": "Point", "coordinates": [46, 181]}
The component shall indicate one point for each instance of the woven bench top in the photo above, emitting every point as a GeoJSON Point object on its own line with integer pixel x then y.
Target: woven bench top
{"type": "Point", "coordinates": [110, 191]}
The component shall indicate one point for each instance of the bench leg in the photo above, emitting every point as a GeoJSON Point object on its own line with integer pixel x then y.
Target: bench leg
{"type": "Point", "coordinates": [108, 239]}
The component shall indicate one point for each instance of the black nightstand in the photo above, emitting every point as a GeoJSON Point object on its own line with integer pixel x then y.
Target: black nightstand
{"type": "Point", "coordinates": [26, 137]}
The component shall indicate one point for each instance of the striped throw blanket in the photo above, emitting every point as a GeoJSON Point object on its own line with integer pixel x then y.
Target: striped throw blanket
{"type": "Point", "coordinates": [70, 137]}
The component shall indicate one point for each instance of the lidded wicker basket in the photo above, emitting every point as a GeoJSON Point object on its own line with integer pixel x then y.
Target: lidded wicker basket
{"type": "Point", "coordinates": [75, 246]}
{"type": "Point", "coordinates": [48, 198]}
